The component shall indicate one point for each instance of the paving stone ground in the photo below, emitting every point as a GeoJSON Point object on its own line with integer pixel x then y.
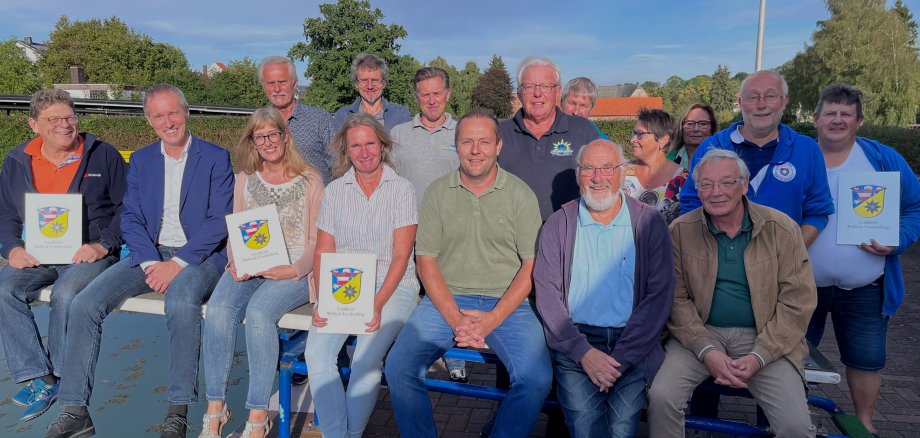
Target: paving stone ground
{"type": "Point", "coordinates": [897, 412]}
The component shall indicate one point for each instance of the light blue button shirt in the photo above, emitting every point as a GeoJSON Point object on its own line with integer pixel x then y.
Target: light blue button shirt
{"type": "Point", "coordinates": [603, 269]}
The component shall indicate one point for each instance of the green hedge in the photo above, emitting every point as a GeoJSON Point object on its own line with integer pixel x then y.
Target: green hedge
{"type": "Point", "coordinates": [126, 133]}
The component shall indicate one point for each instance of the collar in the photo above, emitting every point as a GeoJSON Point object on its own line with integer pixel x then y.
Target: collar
{"type": "Point", "coordinates": [183, 155]}
{"type": "Point", "coordinates": [449, 123]}
{"type": "Point", "coordinates": [500, 180]}
{"type": "Point", "coordinates": [388, 175]}
{"type": "Point", "coordinates": [299, 109]}
{"type": "Point", "coordinates": [34, 149]}
{"type": "Point", "coordinates": [620, 220]}
{"type": "Point", "coordinates": [746, 223]}
{"type": "Point", "coordinates": [560, 123]}
{"type": "Point", "coordinates": [738, 138]}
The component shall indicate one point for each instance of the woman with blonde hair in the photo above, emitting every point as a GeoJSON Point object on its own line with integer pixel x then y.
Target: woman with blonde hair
{"type": "Point", "coordinates": [368, 209]}
{"type": "Point", "coordinates": [270, 172]}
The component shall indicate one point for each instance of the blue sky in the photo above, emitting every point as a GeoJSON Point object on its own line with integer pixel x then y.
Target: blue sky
{"type": "Point", "coordinates": [609, 41]}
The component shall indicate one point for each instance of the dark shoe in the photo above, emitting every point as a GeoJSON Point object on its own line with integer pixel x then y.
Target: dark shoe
{"type": "Point", "coordinates": [42, 399]}
{"type": "Point", "coordinates": [68, 425]}
{"type": "Point", "coordinates": [174, 426]}
{"type": "Point", "coordinates": [24, 396]}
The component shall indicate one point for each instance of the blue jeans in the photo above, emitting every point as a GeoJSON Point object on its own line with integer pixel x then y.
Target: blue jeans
{"type": "Point", "coordinates": [184, 296]}
{"type": "Point", "coordinates": [262, 302]}
{"type": "Point", "coordinates": [859, 325]}
{"type": "Point", "coordinates": [345, 413]}
{"type": "Point", "coordinates": [589, 412]}
{"type": "Point", "coordinates": [22, 344]}
{"type": "Point", "coordinates": [518, 342]}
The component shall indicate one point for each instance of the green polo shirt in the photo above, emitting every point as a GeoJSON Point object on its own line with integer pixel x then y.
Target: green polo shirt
{"type": "Point", "coordinates": [731, 299]}
{"type": "Point", "coordinates": [479, 241]}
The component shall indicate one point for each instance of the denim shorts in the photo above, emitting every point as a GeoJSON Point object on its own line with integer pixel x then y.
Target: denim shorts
{"type": "Point", "coordinates": [859, 326]}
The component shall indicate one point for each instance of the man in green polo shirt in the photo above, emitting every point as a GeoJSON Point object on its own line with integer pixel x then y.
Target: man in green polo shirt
{"type": "Point", "coordinates": [743, 298]}
{"type": "Point", "coordinates": [475, 251]}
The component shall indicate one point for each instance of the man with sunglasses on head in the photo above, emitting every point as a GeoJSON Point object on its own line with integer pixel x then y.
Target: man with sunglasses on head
{"type": "Point", "coordinates": [541, 140]}
{"type": "Point", "coordinates": [61, 160]}
{"type": "Point", "coordinates": [787, 168]}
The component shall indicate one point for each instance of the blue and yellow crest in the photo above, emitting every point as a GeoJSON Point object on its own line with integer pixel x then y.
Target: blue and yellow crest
{"type": "Point", "coordinates": [868, 200]}
{"type": "Point", "coordinates": [255, 234]}
{"type": "Point", "coordinates": [561, 148]}
{"type": "Point", "coordinates": [52, 221]}
{"type": "Point", "coordinates": [346, 284]}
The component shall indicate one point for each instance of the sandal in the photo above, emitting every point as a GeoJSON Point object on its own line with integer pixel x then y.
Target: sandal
{"type": "Point", "coordinates": [222, 417]}
{"type": "Point", "coordinates": [250, 426]}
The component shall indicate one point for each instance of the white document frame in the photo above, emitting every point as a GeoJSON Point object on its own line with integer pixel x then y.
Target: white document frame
{"type": "Point", "coordinates": [53, 227]}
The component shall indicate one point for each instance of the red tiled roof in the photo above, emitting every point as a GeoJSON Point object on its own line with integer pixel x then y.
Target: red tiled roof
{"type": "Point", "coordinates": [624, 106]}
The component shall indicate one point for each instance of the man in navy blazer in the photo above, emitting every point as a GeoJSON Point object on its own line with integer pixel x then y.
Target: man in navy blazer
{"type": "Point", "coordinates": [179, 190]}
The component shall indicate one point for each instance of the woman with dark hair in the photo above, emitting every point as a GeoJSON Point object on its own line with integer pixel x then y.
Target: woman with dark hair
{"type": "Point", "coordinates": [697, 124]}
{"type": "Point", "coordinates": [368, 209]}
{"type": "Point", "coordinates": [271, 172]}
{"type": "Point", "coordinates": [651, 177]}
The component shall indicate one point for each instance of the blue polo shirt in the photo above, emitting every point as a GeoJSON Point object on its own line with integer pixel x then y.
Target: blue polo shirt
{"type": "Point", "coordinates": [546, 164]}
{"type": "Point", "coordinates": [603, 269]}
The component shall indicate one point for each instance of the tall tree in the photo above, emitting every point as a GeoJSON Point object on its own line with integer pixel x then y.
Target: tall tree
{"type": "Point", "coordinates": [723, 91]}
{"type": "Point", "coordinates": [109, 51]}
{"type": "Point", "coordinates": [494, 91]}
{"type": "Point", "coordinates": [17, 73]}
{"type": "Point", "coordinates": [344, 30]}
{"type": "Point", "coordinates": [191, 83]}
{"type": "Point", "coordinates": [238, 85]}
{"type": "Point", "coordinates": [867, 46]}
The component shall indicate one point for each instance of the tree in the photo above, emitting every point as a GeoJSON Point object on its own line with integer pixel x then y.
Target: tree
{"type": "Point", "coordinates": [17, 74]}
{"type": "Point", "coordinates": [867, 46]}
{"type": "Point", "coordinates": [191, 83]}
{"type": "Point", "coordinates": [344, 30]}
{"type": "Point", "coordinates": [494, 91]}
{"type": "Point", "coordinates": [238, 85]}
{"type": "Point", "coordinates": [723, 91]}
{"type": "Point", "coordinates": [109, 52]}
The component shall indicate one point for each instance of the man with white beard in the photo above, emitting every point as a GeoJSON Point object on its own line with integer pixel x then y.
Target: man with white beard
{"type": "Point", "coordinates": [604, 277]}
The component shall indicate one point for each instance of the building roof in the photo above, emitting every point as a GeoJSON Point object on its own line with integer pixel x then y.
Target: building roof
{"type": "Point", "coordinates": [624, 106]}
{"type": "Point", "coordinates": [624, 90]}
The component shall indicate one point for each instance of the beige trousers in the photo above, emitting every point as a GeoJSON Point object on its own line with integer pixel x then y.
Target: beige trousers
{"type": "Point", "coordinates": [778, 387]}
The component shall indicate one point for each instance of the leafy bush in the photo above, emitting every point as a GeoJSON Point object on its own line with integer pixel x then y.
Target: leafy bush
{"type": "Point", "coordinates": [126, 133]}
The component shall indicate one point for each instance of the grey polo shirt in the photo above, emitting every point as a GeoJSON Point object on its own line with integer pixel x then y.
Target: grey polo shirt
{"type": "Point", "coordinates": [546, 164]}
{"type": "Point", "coordinates": [422, 156]}
{"type": "Point", "coordinates": [479, 241]}
{"type": "Point", "coordinates": [313, 130]}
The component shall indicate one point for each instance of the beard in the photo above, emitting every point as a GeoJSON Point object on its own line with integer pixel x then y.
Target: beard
{"type": "Point", "coordinates": [599, 202]}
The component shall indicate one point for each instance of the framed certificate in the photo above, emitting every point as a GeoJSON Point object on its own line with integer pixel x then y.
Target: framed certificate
{"type": "Point", "coordinates": [256, 240]}
{"type": "Point", "coordinates": [53, 227]}
{"type": "Point", "coordinates": [869, 207]}
{"type": "Point", "coordinates": [347, 286]}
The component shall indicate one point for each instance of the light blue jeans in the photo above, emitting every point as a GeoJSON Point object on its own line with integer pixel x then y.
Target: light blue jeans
{"type": "Point", "coordinates": [345, 413]}
{"type": "Point", "coordinates": [518, 342]}
{"type": "Point", "coordinates": [183, 299]}
{"type": "Point", "coordinates": [22, 344]}
{"type": "Point", "coordinates": [262, 302]}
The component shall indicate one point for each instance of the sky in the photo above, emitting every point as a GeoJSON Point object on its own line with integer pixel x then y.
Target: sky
{"type": "Point", "coordinates": [611, 42]}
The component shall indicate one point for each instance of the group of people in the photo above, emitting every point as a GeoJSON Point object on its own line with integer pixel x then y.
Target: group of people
{"type": "Point", "coordinates": [618, 284]}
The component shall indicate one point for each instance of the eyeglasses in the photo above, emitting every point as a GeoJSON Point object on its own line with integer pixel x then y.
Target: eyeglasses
{"type": "Point", "coordinates": [604, 170]}
{"type": "Point", "coordinates": [768, 98]}
{"type": "Point", "coordinates": [56, 121]}
{"type": "Point", "coordinates": [272, 137]}
{"type": "Point", "coordinates": [639, 134]}
{"type": "Point", "coordinates": [692, 124]}
{"type": "Point", "coordinates": [369, 81]}
{"type": "Point", "coordinates": [546, 88]}
{"type": "Point", "coordinates": [725, 184]}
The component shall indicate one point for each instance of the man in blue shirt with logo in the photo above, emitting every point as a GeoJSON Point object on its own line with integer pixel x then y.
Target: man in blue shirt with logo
{"type": "Point", "coordinates": [787, 169]}
{"type": "Point", "coordinates": [540, 140]}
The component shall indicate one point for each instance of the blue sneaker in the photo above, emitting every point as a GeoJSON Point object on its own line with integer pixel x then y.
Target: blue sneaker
{"type": "Point", "coordinates": [24, 396]}
{"type": "Point", "coordinates": [43, 398]}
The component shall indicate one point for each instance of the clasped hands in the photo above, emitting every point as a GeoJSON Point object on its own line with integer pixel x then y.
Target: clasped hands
{"type": "Point", "coordinates": [730, 372]}
{"type": "Point", "coordinates": [472, 326]}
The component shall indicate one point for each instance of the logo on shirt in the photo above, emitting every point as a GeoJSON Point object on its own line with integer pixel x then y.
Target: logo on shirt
{"type": "Point", "coordinates": [52, 221]}
{"type": "Point", "coordinates": [561, 148]}
{"type": "Point", "coordinates": [449, 148]}
{"type": "Point", "coordinates": [255, 234]}
{"type": "Point", "coordinates": [784, 172]}
{"type": "Point", "coordinates": [92, 175]}
{"type": "Point", "coordinates": [868, 200]}
{"type": "Point", "coordinates": [346, 284]}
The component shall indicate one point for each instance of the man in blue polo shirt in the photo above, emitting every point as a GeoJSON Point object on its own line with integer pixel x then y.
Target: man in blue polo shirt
{"type": "Point", "coordinates": [540, 141]}
{"type": "Point", "coordinates": [787, 169]}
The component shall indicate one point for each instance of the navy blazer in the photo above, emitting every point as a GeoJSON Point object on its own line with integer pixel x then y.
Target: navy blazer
{"type": "Point", "coordinates": [206, 197]}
